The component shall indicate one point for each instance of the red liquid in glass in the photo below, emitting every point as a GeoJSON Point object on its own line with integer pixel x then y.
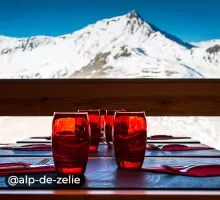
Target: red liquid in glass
{"type": "Point", "coordinates": [130, 135]}
{"type": "Point", "coordinates": [94, 121]}
{"type": "Point", "coordinates": [70, 143]}
{"type": "Point", "coordinates": [109, 122]}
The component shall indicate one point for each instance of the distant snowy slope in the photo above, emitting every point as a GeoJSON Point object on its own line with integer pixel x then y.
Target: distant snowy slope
{"type": "Point", "coordinates": [119, 47]}
{"type": "Point", "coordinates": [204, 129]}
{"type": "Point", "coordinates": [206, 44]}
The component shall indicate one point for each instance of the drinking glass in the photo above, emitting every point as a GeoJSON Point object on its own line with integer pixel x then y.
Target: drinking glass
{"type": "Point", "coordinates": [130, 138]}
{"type": "Point", "coordinates": [94, 122]}
{"type": "Point", "coordinates": [70, 142]}
{"type": "Point", "coordinates": [109, 122]}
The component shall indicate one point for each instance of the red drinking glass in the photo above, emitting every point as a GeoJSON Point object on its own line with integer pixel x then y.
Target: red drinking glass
{"type": "Point", "coordinates": [130, 138]}
{"type": "Point", "coordinates": [109, 122]}
{"type": "Point", "coordinates": [94, 122]}
{"type": "Point", "coordinates": [70, 142]}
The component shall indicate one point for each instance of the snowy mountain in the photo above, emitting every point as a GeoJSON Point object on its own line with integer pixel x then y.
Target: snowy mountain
{"type": "Point", "coordinates": [119, 47]}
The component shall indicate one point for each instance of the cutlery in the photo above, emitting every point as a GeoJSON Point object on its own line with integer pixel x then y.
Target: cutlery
{"type": "Point", "coordinates": [160, 136]}
{"type": "Point", "coordinates": [34, 145]}
{"type": "Point", "coordinates": [27, 165]}
{"type": "Point", "coordinates": [152, 146]}
{"type": "Point", "coordinates": [23, 147]}
{"type": "Point", "coordinates": [46, 138]}
{"type": "Point", "coordinates": [166, 137]}
{"type": "Point", "coordinates": [43, 161]}
{"type": "Point", "coordinates": [184, 169]}
{"type": "Point", "coordinates": [160, 147]}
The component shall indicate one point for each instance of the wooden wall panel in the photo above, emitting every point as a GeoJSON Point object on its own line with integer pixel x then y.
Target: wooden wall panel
{"type": "Point", "coordinates": [173, 97]}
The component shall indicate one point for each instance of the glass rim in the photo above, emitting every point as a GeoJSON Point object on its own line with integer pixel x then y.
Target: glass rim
{"type": "Point", "coordinates": [135, 112]}
{"type": "Point", "coordinates": [113, 111]}
{"type": "Point", "coordinates": [70, 113]}
{"type": "Point", "coordinates": [89, 110]}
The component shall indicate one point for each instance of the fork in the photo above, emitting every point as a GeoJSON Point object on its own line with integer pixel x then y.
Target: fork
{"type": "Point", "coordinates": [46, 137]}
{"type": "Point", "coordinates": [43, 161]}
{"type": "Point", "coordinates": [185, 168]}
{"type": "Point", "coordinates": [23, 165]}
{"type": "Point", "coordinates": [153, 146]}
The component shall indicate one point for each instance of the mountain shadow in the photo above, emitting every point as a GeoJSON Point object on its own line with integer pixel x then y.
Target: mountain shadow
{"type": "Point", "coordinates": [172, 37]}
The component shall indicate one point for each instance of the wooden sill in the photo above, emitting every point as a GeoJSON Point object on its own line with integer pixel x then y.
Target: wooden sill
{"type": "Point", "coordinates": [157, 97]}
{"type": "Point", "coordinates": [108, 194]}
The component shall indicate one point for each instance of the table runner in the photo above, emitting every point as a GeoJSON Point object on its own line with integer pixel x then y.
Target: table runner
{"type": "Point", "coordinates": [105, 152]}
{"type": "Point", "coordinates": [102, 173]}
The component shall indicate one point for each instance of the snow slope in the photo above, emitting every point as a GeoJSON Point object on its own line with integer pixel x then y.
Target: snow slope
{"type": "Point", "coordinates": [206, 44]}
{"type": "Point", "coordinates": [204, 129]}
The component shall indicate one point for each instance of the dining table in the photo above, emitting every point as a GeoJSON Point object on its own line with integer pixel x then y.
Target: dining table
{"type": "Point", "coordinates": [103, 179]}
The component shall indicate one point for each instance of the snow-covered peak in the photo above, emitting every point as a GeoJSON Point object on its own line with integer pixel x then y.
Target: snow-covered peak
{"type": "Point", "coordinates": [129, 23]}
{"type": "Point", "coordinates": [135, 17]}
{"type": "Point", "coordinates": [133, 13]}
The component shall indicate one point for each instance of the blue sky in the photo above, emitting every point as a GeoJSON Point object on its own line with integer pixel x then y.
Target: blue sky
{"type": "Point", "coordinates": [190, 20]}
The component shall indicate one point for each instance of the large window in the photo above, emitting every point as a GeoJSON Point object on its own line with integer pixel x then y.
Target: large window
{"type": "Point", "coordinates": [107, 39]}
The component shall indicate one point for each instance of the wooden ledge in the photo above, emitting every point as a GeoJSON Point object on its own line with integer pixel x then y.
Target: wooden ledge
{"type": "Point", "coordinates": [108, 194]}
{"type": "Point", "coordinates": [157, 97]}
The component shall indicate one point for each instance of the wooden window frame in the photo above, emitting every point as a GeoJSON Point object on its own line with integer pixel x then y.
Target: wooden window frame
{"type": "Point", "coordinates": [159, 97]}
